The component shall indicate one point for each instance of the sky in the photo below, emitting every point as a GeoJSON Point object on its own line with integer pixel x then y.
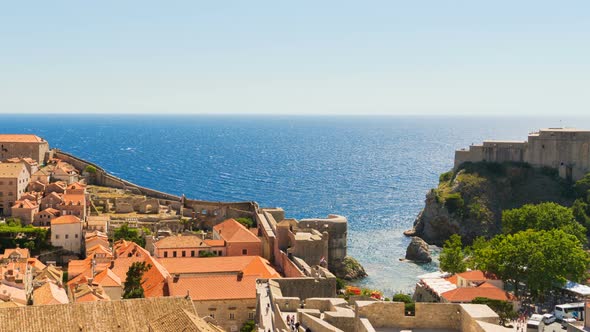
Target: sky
{"type": "Point", "coordinates": [525, 58]}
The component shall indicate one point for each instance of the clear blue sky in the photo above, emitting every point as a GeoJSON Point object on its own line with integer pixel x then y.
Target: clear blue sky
{"type": "Point", "coordinates": [296, 57]}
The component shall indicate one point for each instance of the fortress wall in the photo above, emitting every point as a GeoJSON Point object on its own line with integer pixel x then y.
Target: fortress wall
{"type": "Point", "coordinates": [428, 315]}
{"type": "Point", "coordinates": [336, 227]}
{"type": "Point", "coordinates": [503, 151]}
{"type": "Point", "coordinates": [473, 154]}
{"type": "Point", "coordinates": [103, 178]}
{"type": "Point", "coordinates": [561, 150]}
{"type": "Point", "coordinates": [306, 287]}
{"type": "Point", "coordinates": [289, 269]}
{"type": "Point", "coordinates": [565, 150]}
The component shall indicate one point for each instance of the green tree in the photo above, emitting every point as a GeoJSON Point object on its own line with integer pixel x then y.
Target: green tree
{"type": "Point", "coordinates": [582, 186]}
{"type": "Point", "coordinates": [206, 253]}
{"type": "Point", "coordinates": [247, 222]}
{"type": "Point", "coordinates": [400, 297]}
{"type": "Point", "coordinates": [132, 287]}
{"type": "Point", "coordinates": [130, 234]}
{"type": "Point", "coordinates": [539, 259]}
{"type": "Point", "coordinates": [544, 216]}
{"type": "Point", "coordinates": [452, 256]}
{"type": "Point", "coordinates": [504, 309]}
{"type": "Point", "coordinates": [581, 212]}
{"type": "Point", "coordinates": [249, 326]}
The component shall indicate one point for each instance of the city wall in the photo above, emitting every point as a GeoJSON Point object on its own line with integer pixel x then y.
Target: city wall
{"type": "Point", "coordinates": [461, 317]}
{"type": "Point", "coordinates": [210, 212]}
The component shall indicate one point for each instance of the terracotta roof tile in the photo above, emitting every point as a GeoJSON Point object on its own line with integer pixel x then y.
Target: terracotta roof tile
{"type": "Point", "coordinates": [477, 275]}
{"type": "Point", "coordinates": [69, 219]}
{"type": "Point", "coordinates": [232, 231]}
{"type": "Point", "coordinates": [218, 287]}
{"type": "Point", "coordinates": [468, 294]}
{"type": "Point", "coordinates": [215, 243]}
{"type": "Point", "coordinates": [49, 293]}
{"type": "Point", "coordinates": [20, 138]}
{"type": "Point", "coordinates": [250, 265]}
{"type": "Point", "coordinates": [181, 241]}
{"type": "Point", "coordinates": [25, 204]}
{"type": "Point", "coordinates": [107, 278]}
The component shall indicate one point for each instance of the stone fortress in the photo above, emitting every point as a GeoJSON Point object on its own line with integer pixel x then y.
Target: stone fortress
{"type": "Point", "coordinates": [564, 149]}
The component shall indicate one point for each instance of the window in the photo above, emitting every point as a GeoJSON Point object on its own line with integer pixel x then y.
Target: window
{"type": "Point", "coordinates": [174, 253]}
{"type": "Point", "coordinates": [250, 315]}
{"type": "Point", "coordinates": [232, 316]}
{"type": "Point", "coordinates": [76, 236]}
{"type": "Point", "coordinates": [56, 236]}
{"type": "Point", "coordinates": [9, 183]}
{"type": "Point", "coordinates": [212, 315]}
{"type": "Point", "coordinates": [165, 254]}
{"type": "Point", "coordinates": [244, 251]}
{"type": "Point", "coordinates": [67, 236]}
{"type": "Point", "coordinates": [192, 253]}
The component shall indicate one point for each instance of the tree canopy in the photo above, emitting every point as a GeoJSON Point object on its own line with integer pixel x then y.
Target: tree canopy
{"type": "Point", "coordinates": [541, 259]}
{"type": "Point", "coordinates": [132, 287]}
{"type": "Point", "coordinates": [544, 216]}
{"type": "Point", "coordinates": [452, 256]}
{"type": "Point", "coordinates": [129, 234]}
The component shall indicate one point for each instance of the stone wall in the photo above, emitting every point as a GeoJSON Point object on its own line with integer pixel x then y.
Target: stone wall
{"type": "Point", "coordinates": [304, 288]}
{"type": "Point", "coordinates": [242, 310]}
{"type": "Point", "coordinates": [462, 317]}
{"type": "Point", "coordinates": [566, 150]}
{"type": "Point", "coordinates": [336, 226]}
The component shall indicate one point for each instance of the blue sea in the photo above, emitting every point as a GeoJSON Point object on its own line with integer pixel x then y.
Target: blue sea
{"type": "Point", "coordinates": [373, 170]}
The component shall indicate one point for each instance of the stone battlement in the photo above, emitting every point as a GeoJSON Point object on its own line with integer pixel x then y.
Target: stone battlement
{"type": "Point", "coordinates": [564, 149]}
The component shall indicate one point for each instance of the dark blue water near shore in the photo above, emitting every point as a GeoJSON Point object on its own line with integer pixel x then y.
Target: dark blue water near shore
{"type": "Point", "coordinates": [373, 170]}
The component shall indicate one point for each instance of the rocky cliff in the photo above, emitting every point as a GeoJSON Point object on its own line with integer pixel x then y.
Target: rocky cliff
{"type": "Point", "coordinates": [469, 201]}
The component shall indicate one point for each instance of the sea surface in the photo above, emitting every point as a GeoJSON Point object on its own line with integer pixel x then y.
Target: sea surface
{"type": "Point", "coordinates": [373, 170]}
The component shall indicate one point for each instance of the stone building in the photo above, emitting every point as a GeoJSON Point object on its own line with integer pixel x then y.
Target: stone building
{"type": "Point", "coordinates": [25, 210]}
{"type": "Point", "coordinates": [564, 149]}
{"type": "Point", "coordinates": [66, 232]}
{"type": "Point", "coordinates": [23, 146]}
{"type": "Point", "coordinates": [239, 241]}
{"type": "Point", "coordinates": [14, 179]}
{"type": "Point", "coordinates": [184, 246]}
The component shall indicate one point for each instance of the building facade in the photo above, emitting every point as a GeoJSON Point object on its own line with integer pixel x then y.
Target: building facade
{"type": "Point", "coordinates": [23, 146]}
{"type": "Point", "coordinates": [14, 179]}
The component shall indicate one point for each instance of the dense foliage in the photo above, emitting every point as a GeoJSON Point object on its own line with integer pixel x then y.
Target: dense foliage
{"type": "Point", "coordinates": [504, 309]}
{"type": "Point", "coordinates": [452, 256]}
{"type": "Point", "coordinates": [544, 216]}
{"type": "Point", "coordinates": [12, 233]}
{"type": "Point", "coordinates": [247, 222]}
{"type": "Point", "coordinates": [132, 287]}
{"type": "Point", "coordinates": [249, 326]}
{"type": "Point", "coordinates": [129, 234]}
{"type": "Point", "coordinates": [539, 259]}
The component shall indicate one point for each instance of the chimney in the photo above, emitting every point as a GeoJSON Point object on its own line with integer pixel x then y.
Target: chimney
{"type": "Point", "coordinates": [240, 275]}
{"type": "Point", "coordinates": [176, 277]}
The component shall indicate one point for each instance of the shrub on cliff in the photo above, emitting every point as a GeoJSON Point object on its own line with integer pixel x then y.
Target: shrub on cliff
{"type": "Point", "coordinates": [445, 177]}
{"type": "Point", "coordinates": [454, 203]}
{"type": "Point", "coordinates": [544, 216]}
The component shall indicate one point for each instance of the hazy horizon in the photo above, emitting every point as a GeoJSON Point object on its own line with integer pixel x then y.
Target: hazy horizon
{"type": "Point", "coordinates": [379, 58]}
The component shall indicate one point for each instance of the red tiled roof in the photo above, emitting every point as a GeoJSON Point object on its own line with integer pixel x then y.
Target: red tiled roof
{"type": "Point", "coordinates": [452, 279]}
{"type": "Point", "coordinates": [477, 275]}
{"type": "Point", "coordinates": [181, 241]}
{"type": "Point", "coordinates": [20, 138]}
{"type": "Point", "coordinates": [24, 204]}
{"type": "Point", "coordinates": [215, 243]}
{"type": "Point", "coordinates": [468, 294]}
{"type": "Point", "coordinates": [218, 287]}
{"type": "Point", "coordinates": [107, 278]}
{"type": "Point", "coordinates": [232, 231]}
{"type": "Point", "coordinates": [69, 219]}
{"type": "Point", "coordinates": [74, 199]}
{"type": "Point", "coordinates": [250, 265]}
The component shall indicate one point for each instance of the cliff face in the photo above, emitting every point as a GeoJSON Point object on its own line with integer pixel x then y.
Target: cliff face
{"type": "Point", "coordinates": [469, 202]}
